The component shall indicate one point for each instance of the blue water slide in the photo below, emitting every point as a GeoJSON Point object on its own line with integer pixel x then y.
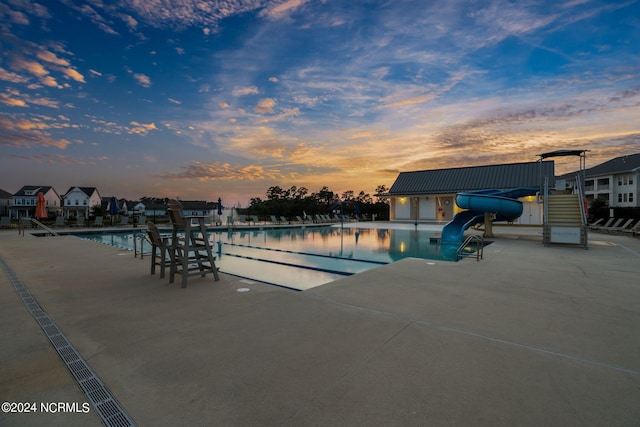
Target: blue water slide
{"type": "Point", "coordinates": [501, 203]}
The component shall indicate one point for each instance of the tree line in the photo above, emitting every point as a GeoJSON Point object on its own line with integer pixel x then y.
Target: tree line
{"type": "Point", "coordinates": [296, 201]}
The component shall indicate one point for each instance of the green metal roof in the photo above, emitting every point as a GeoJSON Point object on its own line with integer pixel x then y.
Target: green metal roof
{"type": "Point", "coordinates": [454, 180]}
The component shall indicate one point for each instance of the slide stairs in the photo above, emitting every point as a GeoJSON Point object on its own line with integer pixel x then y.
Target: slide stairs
{"type": "Point", "coordinates": [564, 210]}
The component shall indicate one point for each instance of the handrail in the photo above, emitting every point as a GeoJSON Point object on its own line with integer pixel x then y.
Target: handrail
{"type": "Point", "coordinates": [41, 225]}
{"type": "Point", "coordinates": [142, 237]}
{"type": "Point", "coordinates": [583, 214]}
{"type": "Point", "coordinates": [545, 215]}
{"type": "Point", "coordinates": [467, 242]}
{"type": "Point", "coordinates": [21, 222]}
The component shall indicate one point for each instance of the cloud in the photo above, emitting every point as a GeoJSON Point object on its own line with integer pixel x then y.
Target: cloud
{"type": "Point", "coordinates": [142, 79]}
{"type": "Point", "coordinates": [189, 13]}
{"type": "Point", "coordinates": [32, 67]}
{"type": "Point", "coordinates": [11, 77]}
{"type": "Point", "coordinates": [283, 9]}
{"type": "Point", "coordinates": [142, 128]}
{"type": "Point", "coordinates": [73, 74]}
{"type": "Point", "coordinates": [250, 90]}
{"type": "Point", "coordinates": [265, 105]}
{"type": "Point", "coordinates": [218, 171]}
{"type": "Point", "coordinates": [28, 133]}
{"type": "Point", "coordinates": [15, 98]}
{"type": "Point", "coordinates": [411, 101]}
{"type": "Point", "coordinates": [60, 158]}
{"type": "Point", "coordinates": [174, 101]}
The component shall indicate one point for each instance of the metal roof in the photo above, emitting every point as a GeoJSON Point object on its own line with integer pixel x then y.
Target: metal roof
{"type": "Point", "coordinates": [630, 163]}
{"type": "Point", "coordinates": [454, 180]}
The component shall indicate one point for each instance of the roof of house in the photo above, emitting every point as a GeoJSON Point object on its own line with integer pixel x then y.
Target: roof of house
{"type": "Point", "coordinates": [30, 188]}
{"type": "Point", "coordinates": [86, 190]}
{"type": "Point", "coordinates": [5, 194]}
{"type": "Point", "coordinates": [443, 181]}
{"type": "Point", "coordinates": [630, 163]}
{"type": "Point", "coordinates": [198, 205]}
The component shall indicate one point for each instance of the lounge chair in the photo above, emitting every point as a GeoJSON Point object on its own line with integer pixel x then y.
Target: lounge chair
{"type": "Point", "coordinates": [255, 219]}
{"type": "Point", "coordinates": [600, 227]}
{"type": "Point", "coordinates": [142, 219]}
{"type": "Point", "coordinates": [124, 220]}
{"type": "Point", "coordinates": [160, 249]}
{"type": "Point", "coordinates": [79, 221]}
{"type": "Point", "coordinates": [284, 220]}
{"type": "Point", "coordinates": [59, 221]}
{"type": "Point", "coordinates": [300, 220]}
{"type": "Point", "coordinates": [620, 228]}
{"type": "Point", "coordinates": [274, 219]}
{"type": "Point", "coordinates": [5, 222]}
{"type": "Point", "coordinates": [597, 223]}
{"type": "Point", "coordinates": [633, 230]}
{"type": "Point", "coordinates": [98, 222]}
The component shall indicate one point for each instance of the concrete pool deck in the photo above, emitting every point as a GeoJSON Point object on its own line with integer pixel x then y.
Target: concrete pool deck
{"type": "Point", "coordinates": [531, 335]}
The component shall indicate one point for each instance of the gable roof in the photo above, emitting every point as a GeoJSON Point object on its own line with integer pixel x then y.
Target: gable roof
{"type": "Point", "coordinates": [630, 163]}
{"type": "Point", "coordinates": [5, 194]}
{"type": "Point", "coordinates": [502, 177]}
{"type": "Point", "coordinates": [86, 190]}
{"type": "Point", "coordinates": [31, 188]}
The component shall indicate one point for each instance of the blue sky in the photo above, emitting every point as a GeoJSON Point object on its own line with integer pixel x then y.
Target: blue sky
{"type": "Point", "coordinates": [208, 99]}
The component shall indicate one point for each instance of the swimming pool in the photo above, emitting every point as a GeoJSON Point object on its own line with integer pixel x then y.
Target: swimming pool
{"type": "Point", "coordinates": [305, 257]}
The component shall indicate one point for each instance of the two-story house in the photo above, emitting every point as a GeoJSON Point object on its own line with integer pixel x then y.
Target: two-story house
{"type": "Point", "coordinates": [23, 203]}
{"type": "Point", "coordinates": [615, 182]}
{"type": "Point", "coordinates": [79, 201]}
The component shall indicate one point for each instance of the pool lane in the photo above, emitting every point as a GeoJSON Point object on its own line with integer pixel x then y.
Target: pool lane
{"type": "Point", "coordinates": [286, 268]}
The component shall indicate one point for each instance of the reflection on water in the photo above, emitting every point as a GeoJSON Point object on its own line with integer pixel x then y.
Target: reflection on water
{"type": "Point", "coordinates": [379, 245]}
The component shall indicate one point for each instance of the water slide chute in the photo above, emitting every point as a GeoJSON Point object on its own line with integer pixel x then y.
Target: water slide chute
{"type": "Point", "coordinates": [503, 204]}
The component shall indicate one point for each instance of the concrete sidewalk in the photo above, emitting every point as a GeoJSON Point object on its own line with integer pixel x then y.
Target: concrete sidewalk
{"type": "Point", "coordinates": [531, 335]}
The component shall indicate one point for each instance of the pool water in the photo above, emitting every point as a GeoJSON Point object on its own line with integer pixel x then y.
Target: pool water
{"type": "Point", "coordinates": [302, 258]}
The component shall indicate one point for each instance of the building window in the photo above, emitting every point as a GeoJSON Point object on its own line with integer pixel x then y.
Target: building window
{"type": "Point", "coordinates": [620, 197]}
{"type": "Point", "coordinates": [630, 197]}
{"type": "Point", "coordinates": [603, 184]}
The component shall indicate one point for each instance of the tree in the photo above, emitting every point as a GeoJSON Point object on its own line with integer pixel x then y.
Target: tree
{"type": "Point", "coordinates": [381, 189]}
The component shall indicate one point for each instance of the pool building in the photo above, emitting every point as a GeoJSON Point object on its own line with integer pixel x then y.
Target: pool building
{"type": "Point", "coordinates": [429, 195]}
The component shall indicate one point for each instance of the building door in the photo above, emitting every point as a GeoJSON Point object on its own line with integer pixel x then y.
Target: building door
{"type": "Point", "coordinates": [445, 208]}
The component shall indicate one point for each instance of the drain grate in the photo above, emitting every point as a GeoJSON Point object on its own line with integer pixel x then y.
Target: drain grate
{"type": "Point", "coordinates": [106, 406]}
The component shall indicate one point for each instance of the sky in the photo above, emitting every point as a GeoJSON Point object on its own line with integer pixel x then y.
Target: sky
{"type": "Point", "coordinates": [226, 98]}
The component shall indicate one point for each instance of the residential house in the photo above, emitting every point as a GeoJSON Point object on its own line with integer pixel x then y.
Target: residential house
{"type": "Point", "coordinates": [79, 201]}
{"type": "Point", "coordinates": [5, 202]}
{"type": "Point", "coordinates": [429, 195]}
{"type": "Point", "coordinates": [24, 201]}
{"type": "Point", "coordinates": [616, 182]}
{"type": "Point", "coordinates": [198, 208]}
{"type": "Point", "coordinates": [154, 209]}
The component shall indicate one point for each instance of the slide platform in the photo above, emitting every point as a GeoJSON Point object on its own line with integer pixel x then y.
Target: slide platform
{"type": "Point", "coordinates": [503, 204]}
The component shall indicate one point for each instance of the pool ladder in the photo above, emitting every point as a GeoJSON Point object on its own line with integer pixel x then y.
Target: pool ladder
{"type": "Point", "coordinates": [479, 242]}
